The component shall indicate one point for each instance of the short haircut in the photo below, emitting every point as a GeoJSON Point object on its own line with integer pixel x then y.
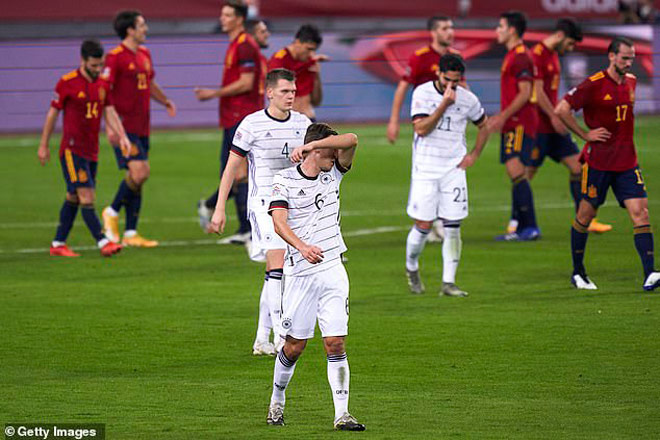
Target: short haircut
{"type": "Point", "coordinates": [125, 20]}
{"type": "Point", "coordinates": [433, 22]}
{"type": "Point", "coordinates": [451, 63]}
{"type": "Point", "coordinates": [570, 28]}
{"type": "Point", "coordinates": [516, 20]}
{"type": "Point", "coordinates": [615, 45]}
{"type": "Point", "coordinates": [308, 33]}
{"type": "Point", "coordinates": [91, 49]}
{"type": "Point", "coordinates": [277, 74]}
{"type": "Point", "coordinates": [318, 130]}
{"type": "Point", "coordinates": [252, 23]}
{"type": "Point", "coordinates": [240, 8]}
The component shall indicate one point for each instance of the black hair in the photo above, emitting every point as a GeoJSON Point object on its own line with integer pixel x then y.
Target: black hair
{"type": "Point", "coordinates": [125, 20]}
{"type": "Point", "coordinates": [252, 23]}
{"type": "Point", "coordinates": [570, 28]}
{"type": "Point", "coordinates": [308, 33]}
{"type": "Point", "coordinates": [317, 131]}
{"type": "Point", "coordinates": [517, 20]}
{"type": "Point", "coordinates": [615, 45]}
{"type": "Point", "coordinates": [277, 74]}
{"type": "Point", "coordinates": [91, 49]}
{"type": "Point", "coordinates": [239, 8]}
{"type": "Point", "coordinates": [451, 63]}
{"type": "Point", "coordinates": [432, 22]}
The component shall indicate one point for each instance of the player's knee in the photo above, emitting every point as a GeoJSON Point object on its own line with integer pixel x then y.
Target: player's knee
{"type": "Point", "coordinates": [334, 345]}
{"type": "Point", "coordinates": [72, 198]}
{"type": "Point", "coordinates": [640, 215]}
{"type": "Point", "coordinates": [586, 212]}
{"type": "Point", "coordinates": [514, 167]}
{"type": "Point", "coordinates": [86, 196]}
{"type": "Point", "coordinates": [293, 348]}
{"type": "Point", "coordinates": [423, 225]}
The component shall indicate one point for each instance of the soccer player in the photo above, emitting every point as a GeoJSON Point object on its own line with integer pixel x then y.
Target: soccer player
{"type": "Point", "coordinates": [265, 138]}
{"type": "Point", "coordinates": [440, 112]}
{"type": "Point", "coordinates": [259, 31]}
{"type": "Point", "coordinates": [552, 138]}
{"type": "Point", "coordinates": [301, 58]}
{"type": "Point", "coordinates": [130, 73]}
{"type": "Point", "coordinates": [83, 98]}
{"type": "Point", "coordinates": [607, 99]}
{"type": "Point", "coordinates": [305, 210]}
{"type": "Point", "coordinates": [517, 121]}
{"type": "Point", "coordinates": [241, 93]}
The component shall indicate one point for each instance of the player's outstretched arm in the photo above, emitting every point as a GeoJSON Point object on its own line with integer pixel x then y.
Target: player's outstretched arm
{"type": "Point", "coordinates": [482, 140]}
{"type": "Point", "coordinates": [159, 96]}
{"type": "Point", "coordinates": [342, 142]}
{"type": "Point", "coordinates": [219, 219]}
{"type": "Point", "coordinates": [242, 85]}
{"type": "Point", "coordinates": [44, 151]}
{"type": "Point", "coordinates": [397, 102]}
{"type": "Point", "coordinates": [524, 94]}
{"type": "Point", "coordinates": [424, 125]}
{"type": "Point", "coordinates": [117, 129]}
{"type": "Point", "coordinates": [313, 254]}
{"type": "Point", "coordinates": [565, 113]}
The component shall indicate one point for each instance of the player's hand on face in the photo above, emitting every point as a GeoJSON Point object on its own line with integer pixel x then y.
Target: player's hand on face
{"type": "Point", "coordinates": [297, 153]}
{"type": "Point", "coordinates": [598, 135]}
{"type": "Point", "coordinates": [171, 108]}
{"type": "Point", "coordinates": [125, 146]}
{"type": "Point", "coordinates": [218, 220]}
{"type": "Point", "coordinates": [468, 160]}
{"type": "Point", "coordinates": [44, 154]}
{"type": "Point", "coordinates": [558, 125]}
{"type": "Point", "coordinates": [392, 132]}
{"type": "Point", "coordinates": [203, 94]}
{"type": "Point", "coordinates": [449, 96]}
{"type": "Point", "coordinates": [313, 254]}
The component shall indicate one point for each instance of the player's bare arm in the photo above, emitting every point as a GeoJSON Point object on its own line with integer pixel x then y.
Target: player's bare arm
{"type": "Point", "coordinates": [317, 91]}
{"type": "Point", "coordinates": [482, 140]}
{"type": "Point", "coordinates": [397, 102]}
{"type": "Point", "coordinates": [496, 122]}
{"type": "Point", "coordinates": [242, 85]}
{"type": "Point", "coordinates": [44, 150]}
{"type": "Point", "coordinates": [546, 106]}
{"type": "Point", "coordinates": [159, 96]}
{"type": "Point", "coordinates": [425, 125]}
{"type": "Point", "coordinates": [564, 112]}
{"type": "Point", "coordinates": [311, 253]}
{"type": "Point", "coordinates": [219, 218]}
{"type": "Point", "coordinates": [115, 126]}
{"type": "Point", "coordinates": [345, 143]}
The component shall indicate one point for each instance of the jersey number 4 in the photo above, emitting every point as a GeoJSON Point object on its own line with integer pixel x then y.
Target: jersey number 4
{"type": "Point", "coordinates": [285, 149]}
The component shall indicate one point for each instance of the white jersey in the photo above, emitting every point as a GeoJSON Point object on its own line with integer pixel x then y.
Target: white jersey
{"type": "Point", "coordinates": [313, 205]}
{"type": "Point", "coordinates": [445, 146]}
{"type": "Point", "coordinates": [267, 142]}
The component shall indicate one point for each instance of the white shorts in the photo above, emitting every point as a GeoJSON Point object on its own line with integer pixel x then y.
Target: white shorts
{"type": "Point", "coordinates": [321, 296]}
{"type": "Point", "coordinates": [445, 197]}
{"type": "Point", "coordinates": [264, 237]}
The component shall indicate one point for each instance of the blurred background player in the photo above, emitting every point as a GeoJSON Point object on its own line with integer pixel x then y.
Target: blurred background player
{"type": "Point", "coordinates": [422, 68]}
{"type": "Point", "coordinates": [241, 93]}
{"type": "Point", "coordinates": [130, 73]}
{"type": "Point", "coordinates": [265, 138]}
{"type": "Point", "coordinates": [301, 58]}
{"type": "Point", "coordinates": [517, 121]}
{"type": "Point", "coordinates": [607, 100]}
{"type": "Point", "coordinates": [438, 186]}
{"type": "Point", "coordinates": [83, 98]}
{"type": "Point", "coordinates": [552, 138]}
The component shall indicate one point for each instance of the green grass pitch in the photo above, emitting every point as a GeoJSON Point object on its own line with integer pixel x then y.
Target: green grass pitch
{"type": "Point", "coordinates": [156, 343]}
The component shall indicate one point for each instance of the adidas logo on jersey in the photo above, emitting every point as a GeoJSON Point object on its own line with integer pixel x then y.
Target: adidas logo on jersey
{"type": "Point", "coordinates": [301, 193]}
{"type": "Point", "coordinates": [268, 135]}
{"type": "Point", "coordinates": [607, 97]}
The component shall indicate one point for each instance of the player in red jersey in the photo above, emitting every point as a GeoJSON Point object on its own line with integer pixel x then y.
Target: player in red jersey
{"type": "Point", "coordinates": [422, 67]}
{"type": "Point", "coordinates": [241, 93]}
{"type": "Point", "coordinates": [301, 58]}
{"type": "Point", "coordinates": [83, 98]}
{"type": "Point", "coordinates": [607, 99]}
{"type": "Point", "coordinates": [258, 28]}
{"type": "Point", "coordinates": [517, 121]}
{"type": "Point", "coordinates": [130, 73]}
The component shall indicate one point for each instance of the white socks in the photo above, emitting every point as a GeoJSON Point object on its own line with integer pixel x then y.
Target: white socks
{"type": "Point", "coordinates": [284, 368]}
{"type": "Point", "coordinates": [263, 324]}
{"type": "Point", "coordinates": [451, 253]}
{"type": "Point", "coordinates": [415, 246]}
{"type": "Point", "coordinates": [274, 299]}
{"type": "Point", "coordinates": [339, 376]}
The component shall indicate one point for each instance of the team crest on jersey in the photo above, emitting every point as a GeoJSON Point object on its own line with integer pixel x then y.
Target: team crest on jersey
{"type": "Point", "coordinates": [325, 179]}
{"type": "Point", "coordinates": [131, 66]}
{"type": "Point", "coordinates": [286, 323]}
{"type": "Point", "coordinates": [276, 190]}
{"type": "Point", "coordinates": [592, 192]}
{"type": "Point", "coordinates": [268, 238]}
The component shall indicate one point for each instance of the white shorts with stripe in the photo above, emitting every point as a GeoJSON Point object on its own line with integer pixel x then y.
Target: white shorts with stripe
{"type": "Point", "coordinates": [264, 237]}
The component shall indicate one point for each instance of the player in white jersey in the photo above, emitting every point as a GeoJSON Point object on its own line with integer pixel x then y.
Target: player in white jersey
{"type": "Point", "coordinates": [265, 138]}
{"type": "Point", "coordinates": [440, 112]}
{"type": "Point", "coordinates": [305, 210]}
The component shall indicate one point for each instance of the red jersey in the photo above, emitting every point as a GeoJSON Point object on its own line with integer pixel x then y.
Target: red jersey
{"type": "Point", "coordinates": [263, 62]}
{"type": "Point", "coordinates": [304, 76]}
{"type": "Point", "coordinates": [518, 67]}
{"type": "Point", "coordinates": [83, 102]}
{"type": "Point", "coordinates": [242, 56]}
{"type": "Point", "coordinates": [423, 65]}
{"type": "Point", "coordinates": [547, 66]}
{"type": "Point", "coordinates": [606, 103]}
{"type": "Point", "coordinates": [130, 74]}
